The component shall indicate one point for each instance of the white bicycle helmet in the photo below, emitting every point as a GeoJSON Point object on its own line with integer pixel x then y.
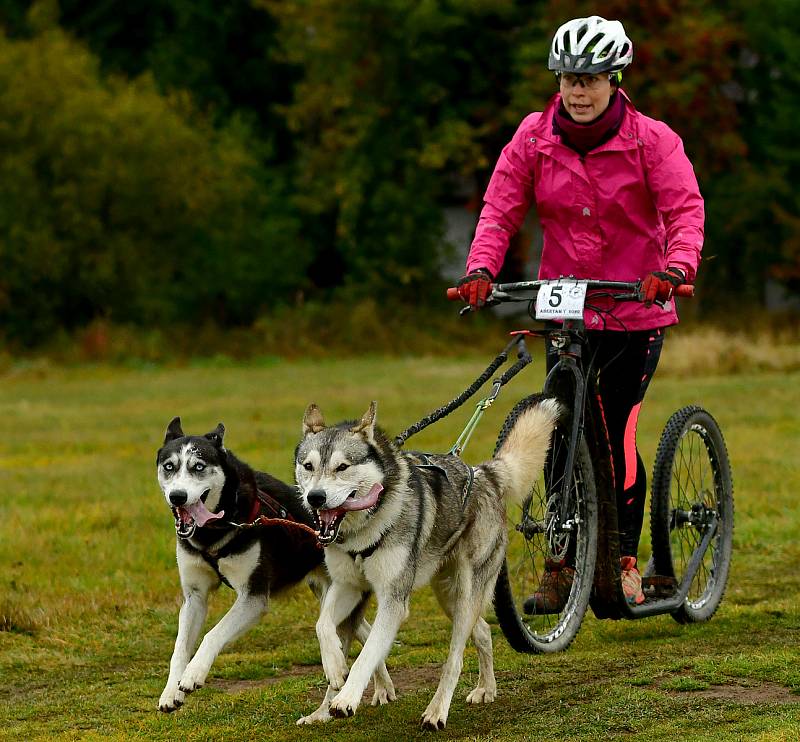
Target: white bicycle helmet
{"type": "Point", "coordinates": [590, 45]}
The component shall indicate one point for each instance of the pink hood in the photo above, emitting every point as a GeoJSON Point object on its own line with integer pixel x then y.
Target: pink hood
{"type": "Point", "coordinates": [629, 207]}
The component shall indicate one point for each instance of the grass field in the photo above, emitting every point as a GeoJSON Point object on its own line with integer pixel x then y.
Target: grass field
{"type": "Point", "coordinates": [89, 591]}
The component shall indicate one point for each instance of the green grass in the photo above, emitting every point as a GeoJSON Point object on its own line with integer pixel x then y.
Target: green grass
{"type": "Point", "coordinates": [89, 590]}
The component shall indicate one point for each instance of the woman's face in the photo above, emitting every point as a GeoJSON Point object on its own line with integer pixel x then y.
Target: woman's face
{"type": "Point", "coordinates": [585, 96]}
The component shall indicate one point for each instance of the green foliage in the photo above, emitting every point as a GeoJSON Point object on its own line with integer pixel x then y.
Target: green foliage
{"type": "Point", "coordinates": [393, 105]}
{"type": "Point", "coordinates": [115, 201]}
{"type": "Point", "coordinates": [224, 158]}
{"type": "Point", "coordinates": [762, 198]}
{"type": "Point", "coordinates": [220, 52]}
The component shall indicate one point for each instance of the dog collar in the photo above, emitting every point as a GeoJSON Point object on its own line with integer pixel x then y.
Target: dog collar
{"type": "Point", "coordinates": [265, 499]}
{"type": "Point", "coordinates": [369, 551]}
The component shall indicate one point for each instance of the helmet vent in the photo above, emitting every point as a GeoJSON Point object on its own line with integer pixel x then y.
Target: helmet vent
{"type": "Point", "coordinates": [590, 45]}
{"type": "Point", "coordinates": [598, 39]}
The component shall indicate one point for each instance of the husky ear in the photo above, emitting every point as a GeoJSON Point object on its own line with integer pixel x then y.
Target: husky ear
{"type": "Point", "coordinates": [312, 420]}
{"type": "Point", "coordinates": [366, 426]}
{"type": "Point", "coordinates": [174, 430]}
{"type": "Point", "coordinates": [216, 435]}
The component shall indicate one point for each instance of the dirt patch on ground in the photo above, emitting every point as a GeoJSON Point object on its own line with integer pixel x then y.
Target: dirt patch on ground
{"type": "Point", "coordinates": [405, 679]}
{"type": "Point", "coordinates": [414, 678]}
{"type": "Point", "coordinates": [746, 695]}
{"type": "Point", "coordinates": [408, 679]}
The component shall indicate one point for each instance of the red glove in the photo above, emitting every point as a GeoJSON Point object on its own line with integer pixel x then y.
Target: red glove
{"type": "Point", "coordinates": [659, 286]}
{"type": "Point", "coordinates": [475, 287]}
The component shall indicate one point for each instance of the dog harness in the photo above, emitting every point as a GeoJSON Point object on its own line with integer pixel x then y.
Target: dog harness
{"type": "Point", "coordinates": [466, 490]}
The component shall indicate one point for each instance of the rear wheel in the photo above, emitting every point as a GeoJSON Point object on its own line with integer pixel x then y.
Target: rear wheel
{"type": "Point", "coordinates": [541, 531]}
{"type": "Point", "coordinates": [692, 491]}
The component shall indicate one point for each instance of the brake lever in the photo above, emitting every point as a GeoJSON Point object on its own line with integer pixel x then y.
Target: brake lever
{"type": "Point", "coordinates": [469, 308]}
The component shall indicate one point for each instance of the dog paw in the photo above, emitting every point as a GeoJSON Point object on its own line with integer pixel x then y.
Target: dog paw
{"type": "Point", "coordinates": [171, 700]}
{"type": "Point", "coordinates": [335, 671]}
{"type": "Point", "coordinates": [383, 694]}
{"type": "Point", "coordinates": [320, 716]}
{"type": "Point", "coordinates": [342, 707]}
{"type": "Point", "coordinates": [189, 687]}
{"type": "Point", "coordinates": [481, 695]}
{"type": "Point", "coordinates": [192, 680]}
{"type": "Point", "coordinates": [432, 723]}
{"type": "Point", "coordinates": [435, 717]}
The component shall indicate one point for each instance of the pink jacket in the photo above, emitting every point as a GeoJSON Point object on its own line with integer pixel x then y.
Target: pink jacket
{"type": "Point", "coordinates": [629, 207]}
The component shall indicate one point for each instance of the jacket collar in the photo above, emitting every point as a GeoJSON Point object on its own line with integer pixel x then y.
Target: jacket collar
{"type": "Point", "coordinates": [625, 138]}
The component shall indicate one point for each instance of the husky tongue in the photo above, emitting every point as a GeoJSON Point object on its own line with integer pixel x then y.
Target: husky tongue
{"type": "Point", "coordinates": [329, 518]}
{"type": "Point", "coordinates": [201, 514]}
{"type": "Point", "coordinates": [362, 503]}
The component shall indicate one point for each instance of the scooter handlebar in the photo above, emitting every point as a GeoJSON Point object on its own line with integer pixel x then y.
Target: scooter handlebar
{"type": "Point", "coordinates": [685, 289]}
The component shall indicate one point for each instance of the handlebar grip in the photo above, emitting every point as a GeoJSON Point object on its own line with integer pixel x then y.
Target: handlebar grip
{"type": "Point", "coordinates": [452, 294]}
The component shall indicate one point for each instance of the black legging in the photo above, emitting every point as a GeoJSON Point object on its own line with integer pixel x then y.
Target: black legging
{"type": "Point", "coordinates": [626, 362]}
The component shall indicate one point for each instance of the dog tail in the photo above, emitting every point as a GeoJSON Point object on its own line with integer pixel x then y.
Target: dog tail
{"type": "Point", "coordinates": [520, 460]}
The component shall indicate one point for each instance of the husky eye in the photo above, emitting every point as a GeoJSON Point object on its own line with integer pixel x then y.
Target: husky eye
{"type": "Point", "coordinates": [308, 466]}
{"type": "Point", "coordinates": [169, 466]}
{"type": "Point", "coordinates": [199, 467]}
{"type": "Point", "coordinates": [342, 467]}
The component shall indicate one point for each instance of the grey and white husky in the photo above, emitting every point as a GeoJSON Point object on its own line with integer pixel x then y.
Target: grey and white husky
{"type": "Point", "coordinates": [247, 529]}
{"type": "Point", "coordinates": [393, 521]}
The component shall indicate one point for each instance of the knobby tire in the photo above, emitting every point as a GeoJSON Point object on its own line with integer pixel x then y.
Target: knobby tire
{"type": "Point", "coordinates": [692, 484]}
{"type": "Point", "coordinates": [524, 564]}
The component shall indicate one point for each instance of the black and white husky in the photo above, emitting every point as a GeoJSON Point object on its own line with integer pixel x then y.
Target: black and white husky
{"type": "Point", "coordinates": [241, 527]}
{"type": "Point", "coordinates": [393, 521]}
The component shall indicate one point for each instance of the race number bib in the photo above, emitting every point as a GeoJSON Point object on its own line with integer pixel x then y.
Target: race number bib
{"type": "Point", "coordinates": [561, 299]}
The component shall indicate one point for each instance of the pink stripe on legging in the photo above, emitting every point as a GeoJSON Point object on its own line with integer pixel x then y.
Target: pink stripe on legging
{"type": "Point", "coordinates": [610, 452]}
{"type": "Point", "coordinates": [629, 446]}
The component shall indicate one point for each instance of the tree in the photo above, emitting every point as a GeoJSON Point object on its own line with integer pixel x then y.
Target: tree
{"type": "Point", "coordinates": [761, 202]}
{"type": "Point", "coordinates": [392, 110]}
{"type": "Point", "coordinates": [220, 52]}
{"type": "Point", "coordinates": [118, 202]}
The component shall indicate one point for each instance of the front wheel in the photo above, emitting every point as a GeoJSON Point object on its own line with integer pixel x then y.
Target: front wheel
{"type": "Point", "coordinates": [543, 532]}
{"type": "Point", "coordinates": [692, 491]}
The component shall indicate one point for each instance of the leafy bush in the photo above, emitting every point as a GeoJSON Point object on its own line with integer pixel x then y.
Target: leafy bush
{"type": "Point", "coordinates": [118, 202]}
